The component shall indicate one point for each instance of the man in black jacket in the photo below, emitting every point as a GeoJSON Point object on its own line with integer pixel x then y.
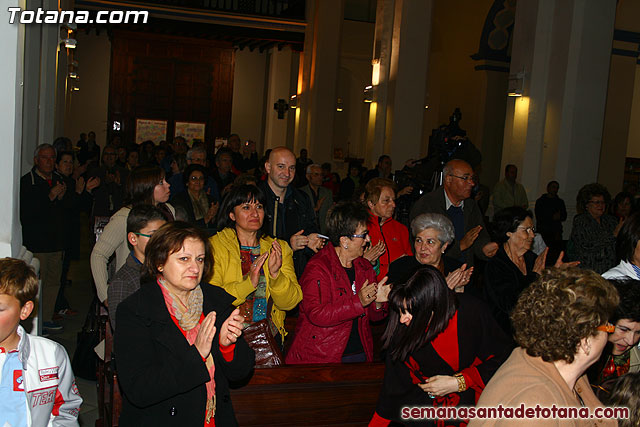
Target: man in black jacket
{"type": "Point", "coordinates": [42, 209]}
{"type": "Point", "coordinates": [289, 214]}
{"type": "Point", "coordinates": [454, 200]}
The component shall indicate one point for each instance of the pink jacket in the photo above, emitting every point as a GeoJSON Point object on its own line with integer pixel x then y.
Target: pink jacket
{"type": "Point", "coordinates": [328, 308]}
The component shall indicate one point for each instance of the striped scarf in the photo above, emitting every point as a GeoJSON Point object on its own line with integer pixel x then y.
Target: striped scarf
{"type": "Point", "coordinates": [188, 318]}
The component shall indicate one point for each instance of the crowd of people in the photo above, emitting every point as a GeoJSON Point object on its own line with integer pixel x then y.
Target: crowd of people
{"type": "Point", "coordinates": [208, 250]}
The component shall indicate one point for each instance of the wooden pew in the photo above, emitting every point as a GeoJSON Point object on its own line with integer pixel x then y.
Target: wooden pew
{"type": "Point", "coordinates": [309, 395]}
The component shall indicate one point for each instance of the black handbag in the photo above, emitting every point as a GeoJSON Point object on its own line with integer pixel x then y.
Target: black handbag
{"type": "Point", "coordinates": [85, 359]}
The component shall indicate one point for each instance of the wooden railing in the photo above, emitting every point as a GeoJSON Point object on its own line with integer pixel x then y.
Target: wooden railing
{"type": "Point", "coordinates": [309, 395]}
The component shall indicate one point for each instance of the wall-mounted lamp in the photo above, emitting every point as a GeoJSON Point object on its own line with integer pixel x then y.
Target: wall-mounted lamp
{"type": "Point", "coordinates": [369, 92]}
{"type": "Point", "coordinates": [73, 75]}
{"type": "Point", "coordinates": [293, 101]}
{"type": "Point", "coordinates": [75, 88]}
{"type": "Point", "coordinates": [70, 43]}
{"type": "Point", "coordinates": [516, 84]}
{"type": "Point", "coordinates": [426, 107]}
{"type": "Point", "coordinates": [339, 106]}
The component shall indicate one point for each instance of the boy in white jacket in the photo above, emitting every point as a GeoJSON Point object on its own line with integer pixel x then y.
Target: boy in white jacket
{"type": "Point", "coordinates": [37, 386]}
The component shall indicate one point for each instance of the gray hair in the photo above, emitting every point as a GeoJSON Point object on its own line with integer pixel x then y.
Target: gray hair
{"type": "Point", "coordinates": [438, 222]}
{"type": "Point", "coordinates": [194, 150]}
{"type": "Point", "coordinates": [41, 147]}
{"type": "Point", "coordinates": [310, 167]}
{"type": "Point", "coordinates": [447, 169]}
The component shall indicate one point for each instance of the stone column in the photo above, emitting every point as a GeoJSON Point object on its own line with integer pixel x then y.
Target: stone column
{"type": "Point", "coordinates": [278, 87]}
{"type": "Point", "coordinates": [553, 131]}
{"type": "Point", "coordinates": [11, 119]}
{"type": "Point", "coordinates": [622, 75]}
{"type": "Point", "coordinates": [320, 62]}
{"type": "Point", "coordinates": [400, 66]}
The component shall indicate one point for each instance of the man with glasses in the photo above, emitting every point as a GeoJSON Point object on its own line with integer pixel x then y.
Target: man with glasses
{"type": "Point", "coordinates": [454, 200]}
{"type": "Point", "coordinates": [508, 192]}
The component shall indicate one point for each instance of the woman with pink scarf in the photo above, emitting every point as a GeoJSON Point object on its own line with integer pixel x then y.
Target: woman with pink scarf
{"type": "Point", "coordinates": [178, 343]}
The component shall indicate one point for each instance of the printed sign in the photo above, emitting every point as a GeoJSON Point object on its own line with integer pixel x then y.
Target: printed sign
{"type": "Point", "coordinates": [154, 130]}
{"type": "Point", "coordinates": [190, 131]}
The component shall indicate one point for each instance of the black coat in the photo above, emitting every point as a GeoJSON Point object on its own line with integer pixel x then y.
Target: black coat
{"type": "Point", "coordinates": [294, 214]}
{"type": "Point", "coordinates": [482, 347]}
{"type": "Point", "coordinates": [401, 270]}
{"type": "Point", "coordinates": [163, 378]}
{"type": "Point", "coordinates": [503, 284]}
{"type": "Point", "coordinates": [43, 220]}
{"type": "Point", "coordinates": [183, 201]}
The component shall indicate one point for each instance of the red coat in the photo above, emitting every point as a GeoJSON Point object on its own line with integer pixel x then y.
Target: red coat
{"type": "Point", "coordinates": [396, 240]}
{"type": "Point", "coordinates": [328, 308]}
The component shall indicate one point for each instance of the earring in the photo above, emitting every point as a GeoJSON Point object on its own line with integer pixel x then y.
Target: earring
{"type": "Point", "coordinates": [346, 247]}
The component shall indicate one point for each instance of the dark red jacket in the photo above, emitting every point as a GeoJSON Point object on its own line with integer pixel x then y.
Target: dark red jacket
{"type": "Point", "coordinates": [328, 308]}
{"type": "Point", "coordinates": [395, 237]}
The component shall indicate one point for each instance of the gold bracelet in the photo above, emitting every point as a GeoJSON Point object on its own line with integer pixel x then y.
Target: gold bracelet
{"type": "Point", "coordinates": [462, 383]}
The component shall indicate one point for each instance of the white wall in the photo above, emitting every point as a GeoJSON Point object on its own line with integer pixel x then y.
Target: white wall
{"type": "Point", "coordinates": [279, 87]}
{"type": "Point", "coordinates": [11, 69]}
{"type": "Point", "coordinates": [88, 107]}
{"type": "Point", "coordinates": [248, 109]}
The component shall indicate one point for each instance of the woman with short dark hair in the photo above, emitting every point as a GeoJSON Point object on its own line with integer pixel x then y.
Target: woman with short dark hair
{"type": "Point", "coordinates": [178, 342]}
{"type": "Point", "coordinates": [594, 232]}
{"type": "Point", "coordinates": [561, 323]}
{"type": "Point", "coordinates": [622, 205]}
{"type": "Point", "coordinates": [200, 208]}
{"type": "Point", "coordinates": [340, 295]}
{"type": "Point", "coordinates": [628, 250]}
{"type": "Point", "coordinates": [439, 343]}
{"type": "Point", "coordinates": [515, 266]}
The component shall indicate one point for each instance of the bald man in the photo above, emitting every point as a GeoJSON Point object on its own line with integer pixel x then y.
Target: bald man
{"type": "Point", "coordinates": [454, 200]}
{"type": "Point", "coordinates": [289, 213]}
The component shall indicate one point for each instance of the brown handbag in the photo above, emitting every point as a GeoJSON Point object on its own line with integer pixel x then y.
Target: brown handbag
{"type": "Point", "coordinates": [258, 336]}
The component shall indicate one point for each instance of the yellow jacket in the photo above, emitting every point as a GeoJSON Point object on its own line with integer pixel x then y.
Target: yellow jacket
{"type": "Point", "coordinates": [284, 290]}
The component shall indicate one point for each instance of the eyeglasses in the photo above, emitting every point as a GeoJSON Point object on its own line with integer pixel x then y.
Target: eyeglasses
{"type": "Point", "coordinates": [143, 235]}
{"type": "Point", "coordinates": [197, 178]}
{"type": "Point", "coordinates": [361, 236]}
{"type": "Point", "coordinates": [597, 202]}
{"type": "Point", "coordinates": [527, 229]}
{"type": "Point", "coordinates": [608, 328]}
{"type": "Point", "coordinates": [465, 178]}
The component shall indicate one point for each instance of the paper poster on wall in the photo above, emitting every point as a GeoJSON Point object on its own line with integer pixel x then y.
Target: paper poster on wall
{"type": "Point", "coordinates": [154, 130]}
{"type": "Point", "coordinates": [190, 131]}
